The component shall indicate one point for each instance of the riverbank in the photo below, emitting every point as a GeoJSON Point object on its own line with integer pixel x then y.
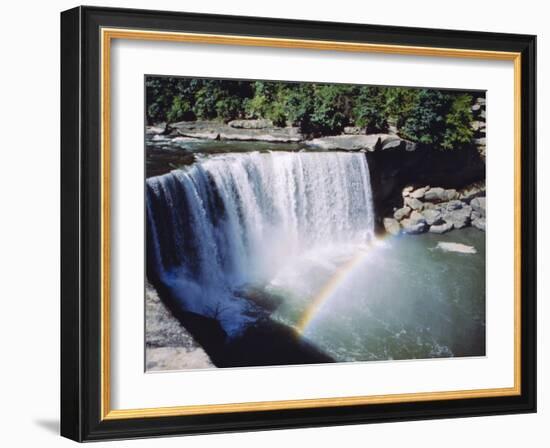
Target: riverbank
{"type": "Point", "coordinates": [352, 139]}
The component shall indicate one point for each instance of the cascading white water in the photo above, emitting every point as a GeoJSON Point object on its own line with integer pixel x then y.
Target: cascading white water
{"type": "Point", "coordinates": [236, 219]}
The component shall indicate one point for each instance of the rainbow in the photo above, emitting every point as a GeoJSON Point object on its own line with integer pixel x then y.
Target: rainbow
{"type": "Point", "coordinates": [330, 287]}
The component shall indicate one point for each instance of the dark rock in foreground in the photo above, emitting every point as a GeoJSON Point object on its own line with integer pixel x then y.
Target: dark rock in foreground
{"type": "Point", "coordinates": [168, 345]}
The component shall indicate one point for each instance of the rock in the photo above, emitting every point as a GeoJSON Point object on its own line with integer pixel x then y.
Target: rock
{"type": "Point", "coordinates": [412, 227]}
{"type": "Point", "coordinates": [419, 193]}
{"type": "Point", "coordinates": [478, 205]}
{"type": "Point", "coordinates": [429, 206]}
{"type": "Point", "coordinates": [438, 194]}
{"type": "Point", "coordinates": [392, 171]}
{"type": "Point", "coordinates": [459, 218]}
{"type": "Point", "coordinates": [432, 216]}
{"type": "Point", "coordinates": [156, 130]}
{"type": "Point", "coordinates": [176, 358]}
{"type": "Point", "coordinates": [479, 223]}
{"type": "Point", "coordinates": [406, 191]}
{"type": "Point", "coordinates": [472, 191]}
{"type": "Point", "coordinates": [346, 142]}
{"type": "Point", "coordinates": [413, 203]}
{"type": "Point", "coordinates": [435, 194]}
{"type": "Point", "coordinates": [401, 213]}
{"type": "Point", "coordinates": [353, 130]}
{"type": "Point", "coordinates": [417, 217]}
{"type": "Point", "coordinates": [391, 141]}
{"type": "Point", "coordinates": [218, 131]}
{"type": "Point", "coordinates": [267, 299]}
{"type": "Point", "coordinates": [251, 124]}
{"type": "Point", "coordinates": [441, 228]}
{"type": "Point", "coordinates": [392, 226]}
{"type": "Point", "coordinates": [451, 194]}
{"type": "Point", "coordinates": [456, 247]}
{"type": "Point", "coordinates": [370, 142]}
{"type": "Point", "coordinates": [476, 107]}
{"type": "Point", "coordinates": [277, 135]}
{"type": "Point", "coordinates": [452, 205]}
{"type": "Point", "coordinates": [207, 135]}
{"type": "Point", "coordinates": [168, 345]}
{"type": "Point", "coordinates": [480, 141]}
{"type": "Point", "coordinates": [478, 125]}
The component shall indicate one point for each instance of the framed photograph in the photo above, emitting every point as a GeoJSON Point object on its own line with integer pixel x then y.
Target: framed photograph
{"type": "Point", "coordinates": [273, 224]}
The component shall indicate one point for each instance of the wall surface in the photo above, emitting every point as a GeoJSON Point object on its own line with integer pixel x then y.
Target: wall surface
{"type": "Point", "coordinates": [29, 240]}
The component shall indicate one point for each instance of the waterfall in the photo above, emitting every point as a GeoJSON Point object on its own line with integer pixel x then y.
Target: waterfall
{"type": "Point", "coordinates": [235, 219]}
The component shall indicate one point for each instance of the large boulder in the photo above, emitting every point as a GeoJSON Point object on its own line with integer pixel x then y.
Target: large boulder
{"type": "Point", "coordinates": [392, 226]}
{"type": "Point", "coordinates": [353, 130]}
{"type": "Point", "coordinates": [479, 223]}
{"type": "Point", "coordinates": [157, 129]}
{"type": "Point", "coordinates": [413, 227]}
{"type": "Point", "coordinates": [435, 194]}
{"type": "Point", "coordinates": [401, 213]}
{"type": "Point", "coordinates": [438, 194]}
{"type": "Point", "coordinates": [407, 191]}
{"type": "Point", "coordinates": [419, 193]}
{"type": "Point", "coordinates": [441, 228]}
{"type": "Point", "coordinates": [478, 205]}
{"type": "Point", "coordinates": [251, 124]}
{"type": "Point", "coordinates": [432, 216]}
{"type": "Point", "coordinates": [417, 217]}
{"type": "Point", "coordinates": [459, 218]}
{"type": "Point", "coordinates": [455, 204]}
{"type": "Point", "coordinates": [413, 203]}
{"type": "Point", "coordinates": [451, 194]}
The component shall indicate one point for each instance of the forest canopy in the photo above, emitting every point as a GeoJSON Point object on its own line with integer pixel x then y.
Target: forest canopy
{"type": "Point", "coordinates": [438, 118]}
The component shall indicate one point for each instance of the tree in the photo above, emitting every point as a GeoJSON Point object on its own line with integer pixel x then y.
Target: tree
{"type": "Point", "coordinates": [441, 119]}
{"type": "Point", "coordinates": [370, 109]}
{"type": "Point", "coordinates": [458, 132]}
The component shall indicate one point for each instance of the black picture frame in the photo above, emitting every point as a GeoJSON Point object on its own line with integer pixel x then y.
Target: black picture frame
{"type": "Point", "coordinates": [81, 209]}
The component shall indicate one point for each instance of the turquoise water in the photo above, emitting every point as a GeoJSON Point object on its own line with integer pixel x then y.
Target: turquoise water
{"type": "Point", "coordinates": [406, 299]}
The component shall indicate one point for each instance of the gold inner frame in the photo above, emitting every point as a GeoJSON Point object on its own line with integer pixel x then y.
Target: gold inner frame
{"type": "Point", "coordinates": [107, 35]}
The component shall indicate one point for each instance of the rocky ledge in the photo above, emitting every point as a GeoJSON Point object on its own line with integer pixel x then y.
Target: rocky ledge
{"type": "Point", "coordinates": [168, 346]}
{"type": "Point", "coordinates": [438, 210]}
{"type": "Point", "coordinates": [353, 139]}
{"type": "Point", "coordinates": [238, 130]}
{"type": "Point", "coordinates": [365, 142]}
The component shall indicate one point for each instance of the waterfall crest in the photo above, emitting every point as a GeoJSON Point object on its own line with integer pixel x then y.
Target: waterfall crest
{"type": "Point", "coordinates": [235, 219]}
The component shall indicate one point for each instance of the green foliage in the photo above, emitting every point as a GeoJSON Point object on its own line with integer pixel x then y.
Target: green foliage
{"type": "Point", "coordinates": [268, 102]}
{"type": "Point", "coordinates": [426, 121]}
{"type": "Point", "coordinates": [427, 116]}
{"type": "Point", "coordinates": [458, 130]}
{"type": "Point", "coordinates": [438, 119]}
{"type": "Point", "coordinates": [400, 103]}
{"type": "Point", "coordinates": [298, 106]}
{"type": "Point", "coordinates": [181, 110]}
{"type": "Point", "coordinates": [330, 109]}
{"type": "Point", "coordinates": [370, 111]}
